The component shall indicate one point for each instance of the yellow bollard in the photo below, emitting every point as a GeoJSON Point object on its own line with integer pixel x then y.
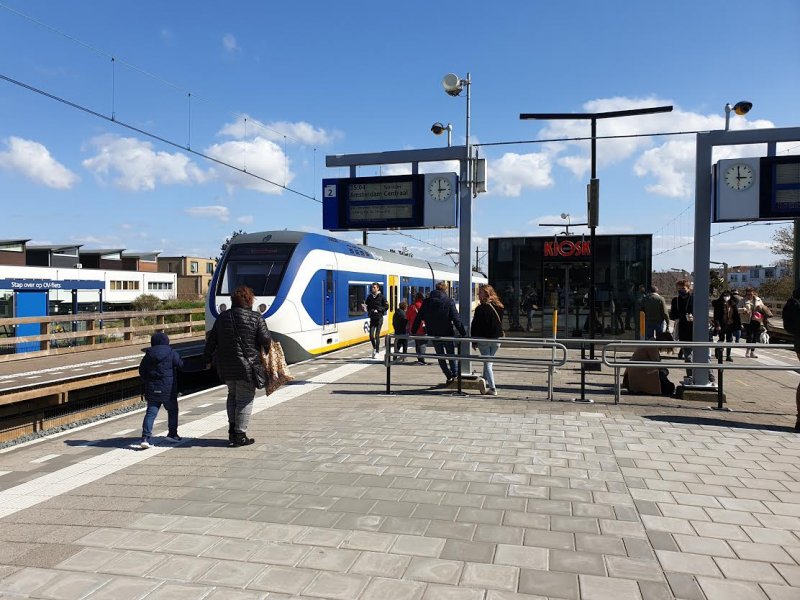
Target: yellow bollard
{"type": "Point", "coordinates": [555, 324]}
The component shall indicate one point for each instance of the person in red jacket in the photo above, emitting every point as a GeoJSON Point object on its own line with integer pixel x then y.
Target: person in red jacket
{"type": "Point", "coordinates": [411, 315]}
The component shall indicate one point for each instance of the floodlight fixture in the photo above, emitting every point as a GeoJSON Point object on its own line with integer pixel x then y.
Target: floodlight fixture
{"type": "Point", "coordinates": [438, 129]}
{"type": "Point", "coordinates": [453, 84]}
{"type": "Point", "coordinates": [741, 108]}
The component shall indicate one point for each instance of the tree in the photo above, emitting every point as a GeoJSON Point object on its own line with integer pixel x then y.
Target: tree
{"type": "Point", "coordinates": [146, 302]}
{"type": "Point", "coordinates": [716, 283]}
{"type": "Point", "coordinates": [228, 240]}
{"type": "Point", "coordinates": [784, 245]}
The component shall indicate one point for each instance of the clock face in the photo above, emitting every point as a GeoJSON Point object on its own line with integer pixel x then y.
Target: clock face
{"type": "Point", "coordinates": [739, 177]}
{"type": "Point", "coordinates": [440, 188]}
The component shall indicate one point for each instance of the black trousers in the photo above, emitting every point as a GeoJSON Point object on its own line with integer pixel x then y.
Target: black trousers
{"type": "Point", "coordinates": [375, 326]}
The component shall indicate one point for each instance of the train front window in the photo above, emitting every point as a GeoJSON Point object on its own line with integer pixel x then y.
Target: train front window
{"type": "Point", "coordinates": [258, 266]}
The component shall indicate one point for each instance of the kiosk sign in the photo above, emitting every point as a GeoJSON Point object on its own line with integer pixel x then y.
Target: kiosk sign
{"type": "Point", "coordinates": [568, 248]}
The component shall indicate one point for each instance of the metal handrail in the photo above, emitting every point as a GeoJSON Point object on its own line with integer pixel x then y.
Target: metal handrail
{"type": "Point", "coordinates": [719, 366]}
{"type": "Point", "coordinates": [550, 364]}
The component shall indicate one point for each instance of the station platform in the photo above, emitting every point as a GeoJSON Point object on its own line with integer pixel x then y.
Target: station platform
{"type": "Point", "coordinates": [424, 494]}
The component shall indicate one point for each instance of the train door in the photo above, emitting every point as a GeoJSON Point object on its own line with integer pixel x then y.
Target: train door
{"type": "Point", "coordinates": [328, 303]}
{"type": "Point", "coordinates": [392, 296]}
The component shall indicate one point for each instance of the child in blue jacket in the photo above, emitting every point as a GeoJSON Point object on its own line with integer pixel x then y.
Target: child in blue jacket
{"type": "Point", "coordinates": [157, 371]}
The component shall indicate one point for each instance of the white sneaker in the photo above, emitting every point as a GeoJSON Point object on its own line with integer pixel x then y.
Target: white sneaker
{"type": "Point", "coordinates": [144, 445]}
{"type": "Point", "coordinates": [482, 386]}
{"type": "Point", "coordinates": [492, 392]}
{"type": "Point", "coordinates": [374, 353]}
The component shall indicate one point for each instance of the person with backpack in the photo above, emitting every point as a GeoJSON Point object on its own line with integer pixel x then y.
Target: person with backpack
{"type": "Point", "coordinates": [791, 323]}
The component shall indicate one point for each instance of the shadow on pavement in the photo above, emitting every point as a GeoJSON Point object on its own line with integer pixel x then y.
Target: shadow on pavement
{"type": "Point", "coordinates": [714, 422]}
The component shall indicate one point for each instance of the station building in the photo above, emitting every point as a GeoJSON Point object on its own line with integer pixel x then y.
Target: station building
{"type": "Point", "coordinates": [39, 280]}
{"type": "Point", "coordinates": [553, 273]}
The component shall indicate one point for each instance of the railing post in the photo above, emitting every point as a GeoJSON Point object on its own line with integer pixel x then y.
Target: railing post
{"type": "Point", "coordinates": [387, 356]}
{"type": "Point", "coordinates": [43, 330]}
{"type": "Point", "coordinates": [126, 323]}
{"type": "Point", "coordinates": [90, 339]}
{"type": "Point", "coordinates": [720, 371]}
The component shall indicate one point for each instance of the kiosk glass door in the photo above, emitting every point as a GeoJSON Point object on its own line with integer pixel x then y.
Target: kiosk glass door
{"type": "Point", "coordinates": [566, 290]}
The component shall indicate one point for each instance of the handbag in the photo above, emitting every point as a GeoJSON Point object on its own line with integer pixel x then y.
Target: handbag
{"type": "Point", "coordinates": [275, 367]}
{"type": "Point", "coordinates": [757, 316]}
{"type": "Point", "coordinates": [496, 314]}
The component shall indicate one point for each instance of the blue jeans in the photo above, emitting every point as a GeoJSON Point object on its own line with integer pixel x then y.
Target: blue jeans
{"type": "Point", "coordinates": [446, 348]}
{"type": "Point", "coordinates": [421, 345]}
{"type": "Point", "coordinates": [653, 327]}
{"type": "Point", "coordinates": [488, 349]}
{"type": "Point", "coordinates": [150, 417]}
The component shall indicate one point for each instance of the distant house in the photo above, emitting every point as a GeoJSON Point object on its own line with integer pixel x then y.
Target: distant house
{"type": "Point", "coordinates": [742, 276]}
{"type": "Point", "coordinates": [53, 256]}
{"type": "Point", "coordinates": [194, 274]}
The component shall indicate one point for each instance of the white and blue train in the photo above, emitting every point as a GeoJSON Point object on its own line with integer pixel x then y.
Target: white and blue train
{"type": "Point", "coordinates": [310, 288]}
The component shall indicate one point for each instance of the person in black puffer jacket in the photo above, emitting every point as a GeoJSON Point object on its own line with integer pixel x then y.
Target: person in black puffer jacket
{"type": "Point", "coordinates": [157, 371]}
{"type": "Point", "coordinates": [487, 323]}
{"type": "Point", "coordinates": [234, 343]}
{"type": "Point", "coordinates": [440, 316]}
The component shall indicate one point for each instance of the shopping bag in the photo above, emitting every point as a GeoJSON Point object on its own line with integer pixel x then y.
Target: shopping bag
{"type": "Point", "coordinates": [276, 368]}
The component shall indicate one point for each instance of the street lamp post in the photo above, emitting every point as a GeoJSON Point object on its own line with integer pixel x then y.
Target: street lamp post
{"type": "Point", "coordinates": [593, 189]}
{"type": "Point", "coordinates": [453, 85]}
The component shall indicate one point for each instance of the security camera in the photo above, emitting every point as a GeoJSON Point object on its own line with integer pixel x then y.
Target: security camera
{"type": "Point", "coordinates": [438, 128]}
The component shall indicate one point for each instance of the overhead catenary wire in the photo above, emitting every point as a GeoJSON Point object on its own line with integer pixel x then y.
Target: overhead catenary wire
{"type": "Point", "coordinates": [151, 135]}
{"type": "Point", "coordinates": [133, 67]}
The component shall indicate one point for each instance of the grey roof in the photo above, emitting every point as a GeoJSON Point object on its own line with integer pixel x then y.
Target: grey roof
{"type": "Point", "coordinates": [53, 248]}
{"type": "Point", "coordinates": [103, 251]}
{"type": "Point", "coordinates": [152, 254]}
{"type": "Point", "coordinates": [19, 241]}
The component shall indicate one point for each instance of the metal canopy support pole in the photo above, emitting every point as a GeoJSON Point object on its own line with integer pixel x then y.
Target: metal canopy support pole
{"type": "Point", "coordinates": [465, 238]}
{"type": "Point", "coordinates": [593, 210]}
{"type": "Point", "coordinates": [702, 223]}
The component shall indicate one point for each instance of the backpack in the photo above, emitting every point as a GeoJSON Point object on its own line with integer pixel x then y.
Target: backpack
{"type": "Point", "coordinates": [791, 316]}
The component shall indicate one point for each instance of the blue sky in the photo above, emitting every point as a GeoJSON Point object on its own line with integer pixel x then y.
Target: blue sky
{"type": "Point", "coordinates": [273, 87]}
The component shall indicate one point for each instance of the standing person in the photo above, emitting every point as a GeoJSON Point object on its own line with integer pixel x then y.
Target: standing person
{"type": "Point", "coordinates": [529, 305]}
{"type": "Point", "coordinates": [726, 321]}
{"type": "Point", "coordinates": [439, 313]}
{"type": "Point", "coordinates": [736, 299]}
{"type": "Point", "coordinates": [791, 323]}
{"type": "Point", "coordinates": [655, 313]}
{"type": "Point", "coordinates": [487, 323]}
{"type": "Point", "coordinates": [752, 312]}
{"type": "Point", "coordinates": [400, 324]}
{"type": "Point", "coordinates": [157, 371]}
{"type": "Point", "coordinates": [681, 311]}
{"type": "Point", "coordinates": [376, 306]}
{"type": "Point", "coordinates": [411, 315]}
{"type": "Point", "coordinates": [235, 342]}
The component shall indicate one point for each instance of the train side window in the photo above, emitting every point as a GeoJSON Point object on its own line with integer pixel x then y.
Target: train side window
{"type": "Point", "coordinates": [356, 294]}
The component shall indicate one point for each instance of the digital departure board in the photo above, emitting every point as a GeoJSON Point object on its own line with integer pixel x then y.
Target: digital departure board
{"type": "Point", "coordinates": [373, 202]}
{"type": "Point", "coordinates": [780, 187]}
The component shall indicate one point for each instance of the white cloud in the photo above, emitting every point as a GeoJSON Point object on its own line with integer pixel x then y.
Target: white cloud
{"type": "Point", "coordinates": [137, 166]}
{"type": "Point", "coordinates": [33, 160]}
{"type": "Point", "coordinates": [245, 220]}
{"type": "Point", "coordinates": [299, 132]}
{"type": "Point", "coordinates": [512, 172]}
{"type": "Point", "coordinates": [257, 156]}
{"type": "Point", "coordinates": [670, 160]}
{"type": "Point", "coordinates": [214, 211]}
{"type": "Point", "coordinates": [229, 43]}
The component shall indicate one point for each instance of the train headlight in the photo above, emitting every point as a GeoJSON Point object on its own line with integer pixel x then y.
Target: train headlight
{"type": "Point", "coordinates": [222, 308]}
{"type": "Point", "coordinates": [262, 308]}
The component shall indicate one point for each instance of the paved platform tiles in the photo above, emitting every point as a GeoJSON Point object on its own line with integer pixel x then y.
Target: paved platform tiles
{"type": "Point", "coordinates": [349, 493]}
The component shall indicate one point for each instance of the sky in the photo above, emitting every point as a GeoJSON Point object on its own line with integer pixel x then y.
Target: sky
{"type": "Point", "coordinates": [100, 154]}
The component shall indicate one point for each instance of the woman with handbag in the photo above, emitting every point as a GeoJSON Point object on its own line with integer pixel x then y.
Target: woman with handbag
{"type": "Point", "coordinates": [752, 312]}
{"type": "Point", "coordinates": [488, 323]}
{"type": "Point", "coordinates": [235, 343]}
